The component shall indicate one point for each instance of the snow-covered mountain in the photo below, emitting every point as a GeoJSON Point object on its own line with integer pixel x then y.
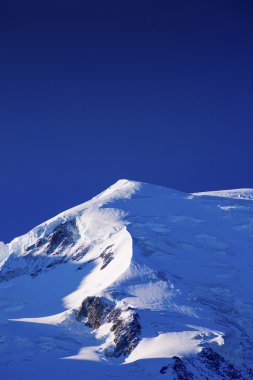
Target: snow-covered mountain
{"type": "Point", "coordinates": [141, 281]}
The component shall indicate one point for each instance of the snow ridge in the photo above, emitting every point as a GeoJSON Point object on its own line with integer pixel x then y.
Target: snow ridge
{"type": "Point", "coordinates": [181, 262]}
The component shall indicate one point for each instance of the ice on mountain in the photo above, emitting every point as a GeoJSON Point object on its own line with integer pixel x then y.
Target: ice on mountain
{"type": "Point", "coordinates": [176, 260]}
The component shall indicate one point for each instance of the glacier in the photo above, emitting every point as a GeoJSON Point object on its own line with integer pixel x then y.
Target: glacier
{"type": "Point", "coordinates": [141, 281]}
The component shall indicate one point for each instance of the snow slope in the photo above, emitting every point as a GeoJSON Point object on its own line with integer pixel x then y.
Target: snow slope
{"type": "Point", "coordinates": [167, 277]}
{"type": "Point", "coordinates": [236, 193]}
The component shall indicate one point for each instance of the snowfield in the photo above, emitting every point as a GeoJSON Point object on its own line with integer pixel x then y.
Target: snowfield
{"type": "Point", "coordinates": [141, 281]}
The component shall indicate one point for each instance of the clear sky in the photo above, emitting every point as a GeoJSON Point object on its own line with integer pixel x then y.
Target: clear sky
{"type": "Point", "coordinates": [93, 91]}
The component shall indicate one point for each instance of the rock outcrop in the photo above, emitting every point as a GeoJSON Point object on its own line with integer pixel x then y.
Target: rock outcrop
{"type": "Point", "coordinates": [44, 253]}
{"type": "Point", "coordinates": [96, 311]}
{"type": "Point", "coordinates": [207, 364]}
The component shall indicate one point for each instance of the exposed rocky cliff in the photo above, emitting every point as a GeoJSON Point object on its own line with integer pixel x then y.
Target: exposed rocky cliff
{"type": "Point", "coordinates": [125, 325]}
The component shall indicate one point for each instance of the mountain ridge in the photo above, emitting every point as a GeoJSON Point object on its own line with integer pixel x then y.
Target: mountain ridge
{"type": "Point", "coordinates": [170, 259]}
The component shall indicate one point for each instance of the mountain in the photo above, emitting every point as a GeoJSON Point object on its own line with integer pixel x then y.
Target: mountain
{"type": "Point", "coordinates": [141, 281]}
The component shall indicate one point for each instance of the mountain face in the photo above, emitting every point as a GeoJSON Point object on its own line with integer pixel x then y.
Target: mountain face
{"type": "Point", "coordinates": [141, 281]}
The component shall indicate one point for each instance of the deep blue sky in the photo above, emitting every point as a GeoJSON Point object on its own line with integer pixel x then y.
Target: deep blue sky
{"type": "Point", "coordinates": [94, 91]}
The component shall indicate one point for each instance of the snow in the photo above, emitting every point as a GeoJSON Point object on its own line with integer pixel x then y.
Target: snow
{"type": "Point", "coordinates": [182, 261]}
{"type": "Point", "coordinates": [174, 344]}
{"type": "Point", "coordinates": [4, 253]}
{"type": "Point", "coordinates": [54, 320]}
{"type": "Point", "coordinates": [86, 353]}
{"type": "Point", "coordinates": [154, 295]}
{"type": "Point", "coordinates": [165, 346]}
{"type": "Point", "coordinates": [99, 280]}
{"type": "Point", "coordinates": [236, 193]}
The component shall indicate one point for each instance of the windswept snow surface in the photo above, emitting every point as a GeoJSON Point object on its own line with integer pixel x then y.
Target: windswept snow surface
{"type": "Point", "coordinates": [182, 262]}
{"type": "Point", "coordinates": [236, 193]}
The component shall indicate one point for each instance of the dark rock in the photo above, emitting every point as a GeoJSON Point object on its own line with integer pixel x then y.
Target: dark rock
{"type": "Point", "coordinates": [62, 236]}
{"type": "Point", "coordinates": [52, 253]}
{"type": "Point", "coordinates": [97, 311]}
{"type": "Point", "coordinates": [107, 256]}
{"type": "Point", "coordinates": [35, 273]}
{"type": "Point", "coordinates": [164, 369]}
{"type": "Point", "coordinates": [126, 334]}
{"type": "Point", "coordinates": [38, 244]}
{"type": "Point", "coordinates": [180, 370]}
{"type": "Point", "coordinates": [80, 253]}
{"type": "Point", "coordinates": [206, 365]}
{"type": "Point", "coordinates": [217, 364]}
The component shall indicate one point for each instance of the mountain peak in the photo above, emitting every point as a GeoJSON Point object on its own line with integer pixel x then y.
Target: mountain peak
{"type": "Point", "coordinates": [138, 272]}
